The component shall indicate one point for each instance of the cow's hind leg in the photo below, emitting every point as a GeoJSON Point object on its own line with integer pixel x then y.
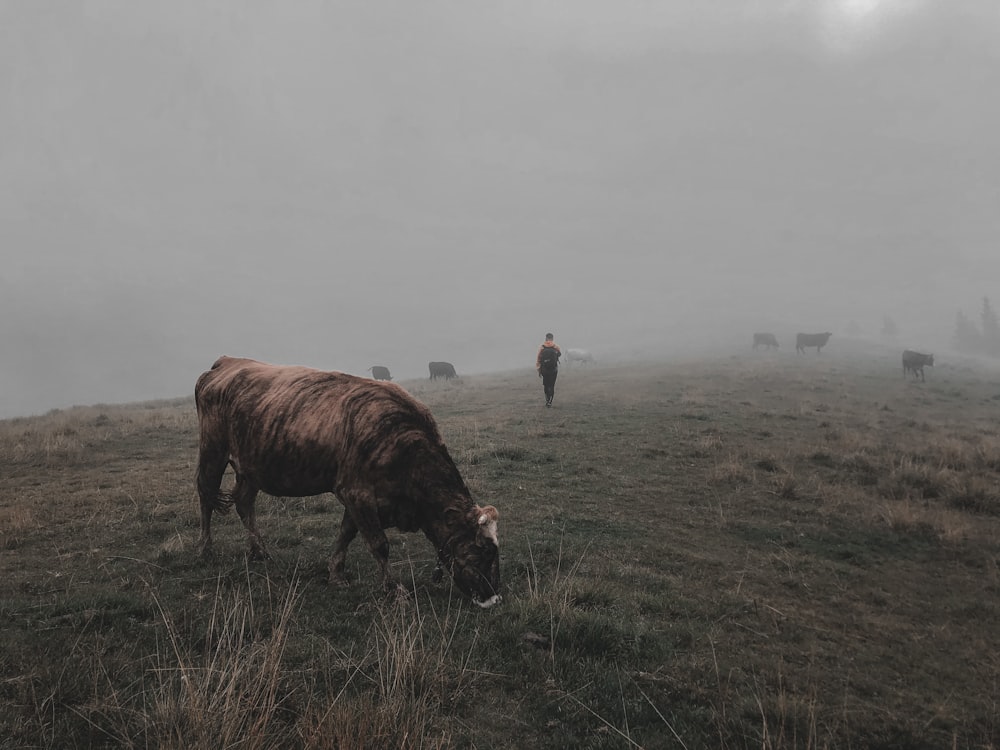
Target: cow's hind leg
{"type": "Point", "coordinates": [244, 496]}
{"type": "Point", "coordinates": [348, 530]}
{"type": "Point", "coordinates": [212, 463]}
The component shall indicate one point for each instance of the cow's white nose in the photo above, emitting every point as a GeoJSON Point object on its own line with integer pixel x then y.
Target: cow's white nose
{"type": "Point", "coordinates": [487, 603]}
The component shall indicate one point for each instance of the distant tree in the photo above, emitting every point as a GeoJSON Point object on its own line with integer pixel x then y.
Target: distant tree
{"type": "Point", "coordinates": [967, 337]}
{"type": "Point", "coordinates": [889, 327]}
{"type": "Point", "coordinates": [991, 329]}
{"type": "Point", "coordinates": [853, 329]}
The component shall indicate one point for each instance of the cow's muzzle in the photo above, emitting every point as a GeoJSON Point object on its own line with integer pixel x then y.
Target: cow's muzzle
{"type": "Point", "coordinates": [487, 603]}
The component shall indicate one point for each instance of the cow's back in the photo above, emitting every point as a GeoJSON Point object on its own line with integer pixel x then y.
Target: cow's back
{"type": "Point", "coordinates": [293, 429]}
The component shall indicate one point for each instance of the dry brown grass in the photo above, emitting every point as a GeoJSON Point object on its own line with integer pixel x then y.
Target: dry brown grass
{"type": "Point", "coordinates": [240, 688]}
{"type": "Point", "coordinates": [756, 551]}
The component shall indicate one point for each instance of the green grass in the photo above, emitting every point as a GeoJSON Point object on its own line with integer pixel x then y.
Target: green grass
{"type": "Point", "coordinates": [763, 551]}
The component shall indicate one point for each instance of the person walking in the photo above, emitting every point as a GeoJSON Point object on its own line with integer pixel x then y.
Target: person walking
{"type": "Point", "coordinates": [547, 364]}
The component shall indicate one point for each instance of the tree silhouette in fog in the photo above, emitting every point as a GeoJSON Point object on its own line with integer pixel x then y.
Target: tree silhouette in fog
{"type": "Point", "coordinates": [970, 339]}
{"type": "Point", "coordinates": [991, 329]}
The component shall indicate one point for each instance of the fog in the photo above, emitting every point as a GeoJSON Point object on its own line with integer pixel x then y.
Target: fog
{"type": "Point", "coordinates": [343, 184]}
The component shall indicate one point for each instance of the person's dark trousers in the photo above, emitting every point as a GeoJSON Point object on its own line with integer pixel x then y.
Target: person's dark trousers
{"type": "Point", "coordinates": [549, 385]}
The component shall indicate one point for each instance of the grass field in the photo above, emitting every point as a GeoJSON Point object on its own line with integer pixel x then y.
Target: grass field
{"type": "Point", "coordinates": [761, 550]}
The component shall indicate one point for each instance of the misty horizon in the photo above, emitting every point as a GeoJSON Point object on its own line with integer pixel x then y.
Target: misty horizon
{"type": "Point", "coordinates": [344, 186]}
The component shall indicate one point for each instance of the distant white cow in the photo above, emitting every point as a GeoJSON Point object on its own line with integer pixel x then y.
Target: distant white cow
{"type": "Point", "coordinates": [578, 355]}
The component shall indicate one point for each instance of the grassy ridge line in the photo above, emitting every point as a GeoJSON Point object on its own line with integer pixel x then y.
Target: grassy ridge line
{"type": "Point", "coordinates": [753, 551]}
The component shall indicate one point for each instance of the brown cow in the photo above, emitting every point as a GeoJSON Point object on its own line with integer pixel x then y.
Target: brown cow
{"type": "Point", "coordinates": [295, 431]}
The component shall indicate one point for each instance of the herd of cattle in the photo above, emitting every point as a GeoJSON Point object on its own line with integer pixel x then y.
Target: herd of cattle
{"type": "Point", "coordinates": [912, 361]}
{"type": "Point", "coordinates": [802, 340]}
{"type": "Point", "coordinates": [297, 432]}
{"type": "Point", "coordinates": [446, 370]}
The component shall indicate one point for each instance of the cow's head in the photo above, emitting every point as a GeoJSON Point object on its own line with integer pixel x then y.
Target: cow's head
{"type": "Point", "coordinates": [475, 564]}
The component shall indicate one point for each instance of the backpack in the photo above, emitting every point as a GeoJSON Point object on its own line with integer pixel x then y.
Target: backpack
{"type": "Point", "coordinates": [549, 359]}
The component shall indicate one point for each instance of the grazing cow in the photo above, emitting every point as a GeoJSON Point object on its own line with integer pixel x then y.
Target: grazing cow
{"type": "Point", "coordinates": [444, 370]}
{"type": "Point", "coordinates": [578, 355]}
{"type": "Point", "coordinates": [764, 339]}
{"type": "Point", "coordinates": [802, 340]}
{"type": "Point", "coordinates": [380, 373]}
{"type": "Point", "coordinates": [915, 361]}
{"type": "Point", "coordinates": [295, 431]}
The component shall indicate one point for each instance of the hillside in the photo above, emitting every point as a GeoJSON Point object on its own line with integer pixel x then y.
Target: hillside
{"type": "Point", "coordinates": [760, 550]}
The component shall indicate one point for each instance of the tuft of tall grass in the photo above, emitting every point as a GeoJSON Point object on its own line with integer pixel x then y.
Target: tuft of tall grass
{"type": "Point", "coordinates": [239, 687]}
{"type": "Point", "coordinates": [907, 514]}
{"type": "Point", "coordinates": [555, 594]}
{"type": "Point", "coordinates": [409, 675]}
{"type": "Point", "coordinates": [227, 693]}
{"type": "Point", "coordinates": [14, 522]}
{"type": "Point", "coordinates": [731, 471]}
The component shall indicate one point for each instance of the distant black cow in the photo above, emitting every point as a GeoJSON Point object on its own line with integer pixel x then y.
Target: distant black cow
{"type": "Point", "coordinates": [915, 361]}
{"type": "Point", "coordinates": [444, 370]}
{"type": "Point", "coordinates": [802, 340]}
{"type": "Point", "coordinates": [380, 373]}
{"type": "Point", "coordinates": [764, 339]}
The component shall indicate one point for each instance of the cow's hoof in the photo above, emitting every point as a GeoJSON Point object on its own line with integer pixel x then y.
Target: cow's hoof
{"type": "Point", "coordinates": [495, 599]}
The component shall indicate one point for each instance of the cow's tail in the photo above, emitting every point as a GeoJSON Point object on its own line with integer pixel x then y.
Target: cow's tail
{"type": "Point", "coordinates": [212, 464]}
{"type": "Point", "coordinates": [216, 499]}
{"type": "Point", "coordinates": [223, 502]}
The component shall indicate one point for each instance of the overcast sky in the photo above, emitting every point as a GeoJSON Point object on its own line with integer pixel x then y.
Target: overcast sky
{"type": "Point", "coordinates": [343, 184]}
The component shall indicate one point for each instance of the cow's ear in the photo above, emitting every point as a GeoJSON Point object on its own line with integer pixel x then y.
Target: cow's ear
{"type": "Point", "coordinates": [486, 522]}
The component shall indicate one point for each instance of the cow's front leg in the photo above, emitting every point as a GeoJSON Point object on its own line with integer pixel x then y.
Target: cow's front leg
{"type": "Point", "coordinates": [363, 509]}
{"type": "Point", "coordinates": [244, 495]}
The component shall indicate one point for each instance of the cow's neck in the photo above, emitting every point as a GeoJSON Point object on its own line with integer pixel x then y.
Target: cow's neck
{"type": "Point", "coordinates": [445, 501]}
